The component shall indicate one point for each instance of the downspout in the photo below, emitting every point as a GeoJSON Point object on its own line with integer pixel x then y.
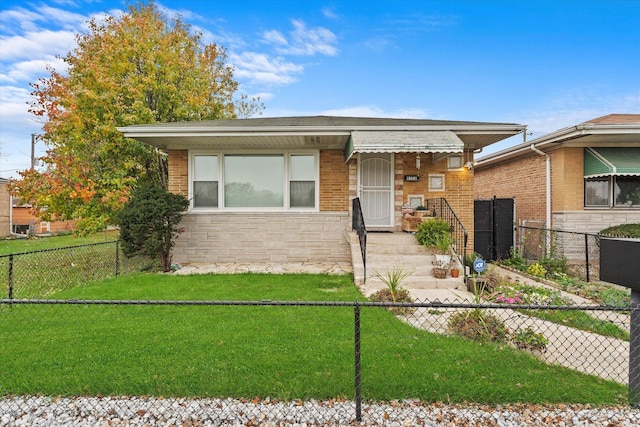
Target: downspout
{"type": "Point", "coordinates": [547, 190]}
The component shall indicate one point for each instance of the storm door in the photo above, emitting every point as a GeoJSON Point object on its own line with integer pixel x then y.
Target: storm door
{"type": "Point", "coordinates": [376, 189]}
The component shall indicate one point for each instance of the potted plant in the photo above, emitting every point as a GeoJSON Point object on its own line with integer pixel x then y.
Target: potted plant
{"type": "Point", "coordinates": [455, 272]}
{"type": "Point", "coordinates": [443, 259]}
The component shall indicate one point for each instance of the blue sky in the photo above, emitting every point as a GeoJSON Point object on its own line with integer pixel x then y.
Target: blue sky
{"type": "Point", "coordinates": [546, 64]}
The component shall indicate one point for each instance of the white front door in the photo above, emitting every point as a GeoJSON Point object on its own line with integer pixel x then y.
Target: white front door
{"type": "Point", "coordinates": [376, 189]}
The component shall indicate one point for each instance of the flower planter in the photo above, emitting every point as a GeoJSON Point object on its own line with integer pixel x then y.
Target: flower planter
{"type": "Point", "coordinates": [455, 272]}
{"type": "Point", "coordinates": [481, 283]}
{"type": "Point", "coordinates": [439, 273]}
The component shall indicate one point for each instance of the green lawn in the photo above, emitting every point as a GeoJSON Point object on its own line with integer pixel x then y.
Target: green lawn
{"type": "Point", "coordinates": [12, 246]}
{"type": "Point", "coordinates": [248, 351]}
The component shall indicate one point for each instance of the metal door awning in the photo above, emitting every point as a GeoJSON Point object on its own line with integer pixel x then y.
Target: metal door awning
{"type": "Point", "coordinates": [403, 142]}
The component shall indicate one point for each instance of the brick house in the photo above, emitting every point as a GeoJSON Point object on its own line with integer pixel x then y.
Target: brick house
{"type": "Point", "coordinates": [5, 208]}
{"type": "Point", "coordinates": [23, 221]}
{"type": "Point", "coordinates": [581, 178]}
{"type": "Point", "coordinates": [280, 189]}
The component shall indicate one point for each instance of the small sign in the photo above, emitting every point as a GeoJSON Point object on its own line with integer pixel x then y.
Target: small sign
{"type": "Point", "coordinates": [412, 178]}
{"type": "Point", "coordinates": [479, 265]}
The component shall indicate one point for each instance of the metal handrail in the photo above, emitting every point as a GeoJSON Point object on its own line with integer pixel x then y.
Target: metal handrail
{"type": "Point", "coordinates": [357, 224]}
{"type": "Point", "coordinates": [443, 210]}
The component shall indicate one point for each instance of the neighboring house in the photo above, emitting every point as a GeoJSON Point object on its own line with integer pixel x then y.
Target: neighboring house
{"type": "Point", "coordinates": [280, 189]}
{"type": "Point", "coordinates": [24, 222]}
{"type": "Point", "coordinates": [5, 208]}
{"type": "Point", "coordinates": [582, 178]}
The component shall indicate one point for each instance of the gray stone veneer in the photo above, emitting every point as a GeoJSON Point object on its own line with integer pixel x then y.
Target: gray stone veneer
{"type": "Point", "coordinates": [592, 221]}
{"type": "Point", "coordinates": [277, 237]}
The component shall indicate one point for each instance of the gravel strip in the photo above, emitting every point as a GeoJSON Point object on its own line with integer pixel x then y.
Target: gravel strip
{"type": "Point", "coordinates": [148, 412]}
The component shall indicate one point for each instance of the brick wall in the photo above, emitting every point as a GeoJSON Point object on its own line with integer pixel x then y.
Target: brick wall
{"type": "Point", "coordinates": [522, 179]}
{"type": "Point", "coordinates": [567, 166]}
{"type": "Point", "coordinates": [179, 172]}
{"type": "Point", "coordinates": [5, 209]}
{"type": "Point", "coordinates": [334, 182]}
{"type": "Point", "coordinates": [458, 185]}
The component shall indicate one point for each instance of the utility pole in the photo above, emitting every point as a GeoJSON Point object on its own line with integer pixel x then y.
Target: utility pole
{"type": "Point", "coordinates": [34, 137]}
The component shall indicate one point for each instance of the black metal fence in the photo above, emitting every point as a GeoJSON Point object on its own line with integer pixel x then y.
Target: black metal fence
{"type": "Point", "coordinates": [580, 250]}
{"type": "Point", "coordinates": [460, 236]}
{"type": "Point", "coordinates": [185, 363]}
{"type": "Point", "coordinates": [37, 274]}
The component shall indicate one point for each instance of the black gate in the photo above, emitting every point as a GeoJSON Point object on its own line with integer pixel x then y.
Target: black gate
{"type": "Point", "coordinates": [493, 228]}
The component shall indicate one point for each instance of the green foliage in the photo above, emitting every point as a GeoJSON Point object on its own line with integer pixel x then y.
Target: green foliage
{"type": "Point", "coordinates": [392, 278]}
{"type": "Point", "coordinates": [149, 223]}
{"type": "Point", "coordinates": [529, 339]}
{"type": "Point", "coordinates": [443, 242]}
{"type": "Point", "coordinates": [394, 292]}
{"type": "Point", "coordinates": [478, 325]}
{"type": "Point", "coordinates": [626, 230]}
{"type": "Point", "coordinates": [516, 261]}
{"type": "Point", "coordinates": [526, 294]}
{"type": "Point", "coordinates": [429, 231]}
{"type": "Point", "coordinates": [138, 67]}
{"type": "Point", "coordinates": [536, 270]}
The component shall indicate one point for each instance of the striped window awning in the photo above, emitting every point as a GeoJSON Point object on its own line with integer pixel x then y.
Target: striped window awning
{"type": "Point", "coordinates": [403, 142]}
{"type": "Point", "coordinates": [611, 161]}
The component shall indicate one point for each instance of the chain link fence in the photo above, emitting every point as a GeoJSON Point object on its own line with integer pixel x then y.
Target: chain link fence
{"type": "Point", "coordinates": [253, 363]}
{"type": "Point", "coordinates": [580, 251]}
{"type": "Point", "coordinates": [37, 274]}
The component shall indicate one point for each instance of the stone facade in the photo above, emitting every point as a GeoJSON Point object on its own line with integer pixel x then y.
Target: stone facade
{"type": "Point", "coordinates": [278, 237]}
{"type": "Point", "coordinates": [592, 221]}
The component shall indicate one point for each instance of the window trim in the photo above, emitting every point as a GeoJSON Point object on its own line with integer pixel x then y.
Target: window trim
{"type": "Point", "coordinates": [611, 194]}
{"type": "Point", "coordinates": [286, 182]}
{"type": "Point", "coordinates": [454, 167]}
{"type": "Point", "coordinates": [436, 175]}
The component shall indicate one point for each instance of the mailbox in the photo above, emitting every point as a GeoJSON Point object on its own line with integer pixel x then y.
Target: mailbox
{"type": "Point", "coordinates": [620, 261]}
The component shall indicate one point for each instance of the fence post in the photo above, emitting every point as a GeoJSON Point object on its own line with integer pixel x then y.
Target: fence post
{"type": "Point", "coordinates": [117, 257]}
{"type": "Point", "coordinates": [358, 397]}
{"type": "Point", "coordinates": [11, 276]}
{"type": "Point", "coordinates": [634, 350]}
{"type": "Point", "coordinates": [586, 254]}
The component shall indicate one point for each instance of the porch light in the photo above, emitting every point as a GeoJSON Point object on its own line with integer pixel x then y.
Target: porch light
{"type": "Point", "coordinates": [418, 161]}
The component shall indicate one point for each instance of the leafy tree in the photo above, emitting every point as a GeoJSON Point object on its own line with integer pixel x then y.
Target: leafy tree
{"type": "Point", "coordinates": [137, 68]}
{"type": "Point", "coordinates": [149, 223]}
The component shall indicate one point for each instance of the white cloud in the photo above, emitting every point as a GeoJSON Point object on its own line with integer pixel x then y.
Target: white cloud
{"type": "Point", "coordinates": [330, 13]}
{"type": "Point", "coordinates": [260, 68]}
{"type": "Point", "coordinates": [36, 44]}
{"type": "Point", "coordinates": [303, 41]}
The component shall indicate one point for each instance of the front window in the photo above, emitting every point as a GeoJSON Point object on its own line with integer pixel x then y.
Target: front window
{"type": "Point", "coordinates": [616, 191]}
{"type": "Point", "coordinates": [205, 181]}
{"type": "Point", "coordinates": [302, 183]}
{"type": "Point", "coordinates": [596, 192]}
{"type": "Point", "coordinates": [253, 181]}
{"type": "Point", "coordinates": [239, 181]}
{"type": "Point", "coordinates": [627, 191]}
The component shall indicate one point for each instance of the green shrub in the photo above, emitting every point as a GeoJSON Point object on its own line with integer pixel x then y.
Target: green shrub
{"type": "Point", "coordinates": [627, 230]}
{"type": "Point", "coordinates": [529, 339]}
{"type": "Point", "coordinates": [429, 231]}
{"type": "Point", "coordinates": [478, 325]}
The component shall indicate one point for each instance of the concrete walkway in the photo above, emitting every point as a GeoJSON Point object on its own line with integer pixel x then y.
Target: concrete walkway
{"type": "Point", "coordinates": [586, 352]}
